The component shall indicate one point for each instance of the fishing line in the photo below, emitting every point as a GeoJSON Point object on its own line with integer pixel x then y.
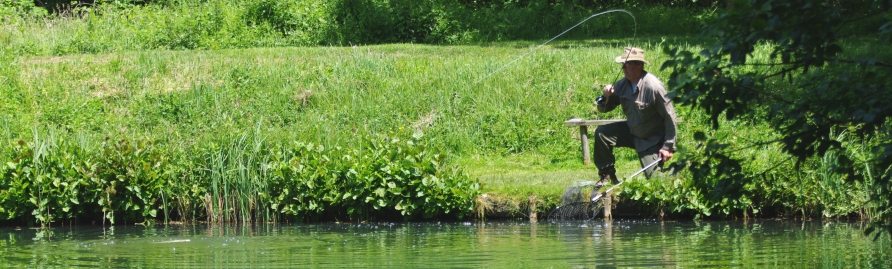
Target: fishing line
{"type": "Point", "coordinates": [534, 49]}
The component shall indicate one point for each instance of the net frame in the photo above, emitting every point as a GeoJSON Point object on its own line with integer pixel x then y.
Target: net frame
{"type": "Point", "coordinates": [572, 208]}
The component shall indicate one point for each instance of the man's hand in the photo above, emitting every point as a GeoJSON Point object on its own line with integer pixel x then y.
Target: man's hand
{"type": "Point", "coordinates": [608, 90]}
{"type": "Point", "coordinates": [665, 155]}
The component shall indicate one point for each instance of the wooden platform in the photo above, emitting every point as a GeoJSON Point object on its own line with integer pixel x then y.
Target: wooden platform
{"type": "Point", "coordinates": [583, 134]}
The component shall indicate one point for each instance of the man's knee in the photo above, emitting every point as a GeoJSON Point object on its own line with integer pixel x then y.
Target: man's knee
{"type": "Point", "coordinates": [602, 135]}
{"type": "Point", "coordinates": [599, 131]}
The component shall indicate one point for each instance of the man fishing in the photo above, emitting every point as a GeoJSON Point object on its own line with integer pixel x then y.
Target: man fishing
{"type": "Point", "coordinates": [650, 124]}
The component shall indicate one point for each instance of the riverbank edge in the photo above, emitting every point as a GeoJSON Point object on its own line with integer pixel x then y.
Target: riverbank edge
{"type": "Point", "coordinates": [495, 206]}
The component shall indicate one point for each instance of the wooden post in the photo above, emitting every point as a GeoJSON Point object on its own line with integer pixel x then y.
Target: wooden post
{"type": "Point", "coordinates": [583, 135]}
{"type": "Point", "coordinates": [533, 214]}
{"type": "Point", "coordinates": [608, 206]}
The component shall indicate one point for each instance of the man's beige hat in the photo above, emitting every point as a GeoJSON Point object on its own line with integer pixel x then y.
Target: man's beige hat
{"type": "Point", "coordinates": [631, 54]}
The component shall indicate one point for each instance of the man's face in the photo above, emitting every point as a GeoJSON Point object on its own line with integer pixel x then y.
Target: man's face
{"type": "Point", "coordinates": [633, 69]}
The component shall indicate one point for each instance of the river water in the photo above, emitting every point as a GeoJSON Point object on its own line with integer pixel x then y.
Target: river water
{"type": "Point", "coordinates": [776, 244]}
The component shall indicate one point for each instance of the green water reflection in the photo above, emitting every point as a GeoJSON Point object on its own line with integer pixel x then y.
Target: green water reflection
{"type": "Point", "coordinates": [425, 245]}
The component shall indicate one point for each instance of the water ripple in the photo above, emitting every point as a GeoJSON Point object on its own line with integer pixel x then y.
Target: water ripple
{"type": "Point", "coordinates": [494, 244]}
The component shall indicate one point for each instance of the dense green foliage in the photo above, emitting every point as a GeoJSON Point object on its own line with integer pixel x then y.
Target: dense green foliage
{"type": "Point", "coordinates": [264, 134]}
{"type": "Point", "coordinates": [55, 179]}
{"type": "Point", "coordinates": [828, 99]}
{"type": "Point", "coordinates": [267, 23]}
{"type": "Point", "coordinates": [188, 114]}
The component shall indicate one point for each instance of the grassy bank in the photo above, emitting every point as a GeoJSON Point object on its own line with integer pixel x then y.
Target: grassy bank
{"type": "Point", "coordinates": [197, 121]}
{"type": "Point", "coordinates": [208, 128]}
{"type": "Point", "coordinates": [111, 114]}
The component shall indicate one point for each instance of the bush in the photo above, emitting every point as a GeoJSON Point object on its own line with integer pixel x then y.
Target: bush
{"type": "Point", "coordinates": [389, 177]}
{"type": "Point", "coordinates": [41, 179]}
{"type": "Point", "coordinates": [23, 8]}
{"type": "Point", "coordinates": [275, 14]}
{"type": "Point", "coordinates": [130, 25]}
{"type": "Point", "coordinates": [126, 181]}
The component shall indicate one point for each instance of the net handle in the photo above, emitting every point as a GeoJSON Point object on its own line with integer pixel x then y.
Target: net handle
{"type": "Point", "coordinates": [601, 194]}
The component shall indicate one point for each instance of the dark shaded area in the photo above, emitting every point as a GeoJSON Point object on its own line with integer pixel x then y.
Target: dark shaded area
{"type": "Point", "coordinates": [56, 6]}
{"type": "Point", "coordinates": [829, 102]}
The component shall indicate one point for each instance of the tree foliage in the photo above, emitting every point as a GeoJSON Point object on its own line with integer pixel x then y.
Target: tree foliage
{"type": "Point", "coordinates": [792, 65]}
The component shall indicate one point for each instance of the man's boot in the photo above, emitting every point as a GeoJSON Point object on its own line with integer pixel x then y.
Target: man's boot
{"type": "Point", "coordinates": [611, 178]}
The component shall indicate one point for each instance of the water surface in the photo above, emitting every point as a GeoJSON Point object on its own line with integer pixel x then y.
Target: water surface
{"type": "Point", "coordinates": [425, 245]}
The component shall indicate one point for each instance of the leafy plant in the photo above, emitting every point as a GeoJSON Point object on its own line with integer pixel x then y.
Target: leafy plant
{"type": "Point", "coordinates": [391, 175]}
{"type": "Point", "coordinates": [827, 88]}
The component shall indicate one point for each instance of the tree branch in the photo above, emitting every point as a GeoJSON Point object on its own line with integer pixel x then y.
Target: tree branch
{"type": "Point", "coordinates": [877, 63]}
{"type": "Point", "coordinates": [782, 72]}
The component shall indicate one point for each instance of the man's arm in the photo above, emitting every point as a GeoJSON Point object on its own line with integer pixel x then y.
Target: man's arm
{"type": "Point", "coordinates": [608, 101]}
{"type": "Point", "coordinates": [667, 112]}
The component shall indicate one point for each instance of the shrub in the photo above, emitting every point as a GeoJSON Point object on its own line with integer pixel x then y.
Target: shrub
{"type": "Point", "coordinates": [391, 176]}
{"type": "Point", "coordinates": [25, 8]}
{"type": "Point", "coordinates": [120, 180]}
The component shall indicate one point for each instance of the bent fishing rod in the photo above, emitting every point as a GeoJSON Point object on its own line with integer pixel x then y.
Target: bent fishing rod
{"type": "Point", "coordinates": [513, 61]}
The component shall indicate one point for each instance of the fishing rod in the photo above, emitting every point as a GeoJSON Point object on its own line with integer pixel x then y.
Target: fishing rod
{"type": "Point", "coordinates": [534, 49]}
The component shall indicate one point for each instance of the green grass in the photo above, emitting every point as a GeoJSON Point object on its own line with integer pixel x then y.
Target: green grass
{"type": "Point", "coordinates": [189, 101]}
{"type": "Point", "coordinates": [184, 96]}
{"type": "Point", "coordinates": [523, 175]}
{"type": "Point", "coordinates": [215, 117]}
{"type": "Point", "coordinates": [329, 95]}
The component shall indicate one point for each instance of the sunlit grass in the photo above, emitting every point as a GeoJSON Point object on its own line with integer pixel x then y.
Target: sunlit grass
{"type": "Point", "coordinates": [502, 124]}
{"type": "Point", "coordinates": [354, 90]}
{"type": "Point", "coordinates": [332, 96]}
